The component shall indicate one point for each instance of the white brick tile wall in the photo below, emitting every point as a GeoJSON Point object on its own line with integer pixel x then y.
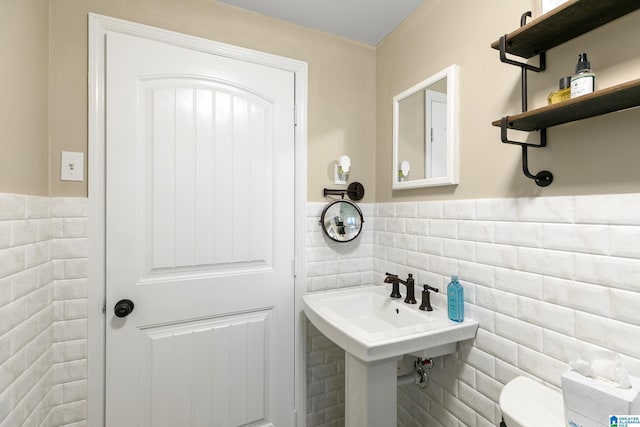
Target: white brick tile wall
{"type": "Point", "coordinates": [461, 411]}
{"type": "Point", "coordinates": [497, 255]}
{"type": "Point", "coordinates": [519, 282]}
{"type": "Point", "coordinates": [417, 226]}
{"type": "Point", "coordinates": [546, 209]}
{"type": "Point", "coordinates": [540, 365]}
{"type": "Point", "coordinates": [497, 301]}
{"type": "Point", "coordinates": [624, 241]}
{"type": "Point", "coordinates": [406, 210]}
{"type": "Point", "coordinates": [546, 315]}
{"type": "Point", "coordinates": [12, 207]}
{"type": "Point", "coordinates": [518, 234]}
{"type": "Point", "coordinates": [28, 307]}
{"type": "Point", "coordinates": [515, 330]}
{"type": "Point", "coordinates": [475, 400]}
{"type": "Point", "coordinates": [590, 239]}
{"type": "Point", "coordinates": [69, 332]}
{"type": "Point", "coordinates": [5, 235]}
{"type": "Point", "coordinates": [555, 263]}
{"type": "Point", "coordinates": [563, 347]}
{"type": "Point", "coordinates": [459, 209]}
{"type": "Point", "coordinates": [614, 272]}
{"type": "Point", "coordinates": [619, 209]}
{"type": "Point", "coordinates": [478, 231]}
{"type": "Point", "coordinates": [443, 228]}
{"type": "Point", "coordinates": [589, 293]}
{"type": "Point", "coordinates": [624, 306]}
{"type": "Point", "coordinates": [497, 346]}
{"type": "Point", "coordinates": [582, 296]}
{"type": "Point", "coordinates": [428, 210]}
{"type": "Point", "coordinates": [68, 207]}
{"type": "Point", "coordinates": [482, 274]}
{"type": "Point", "coordinates": [497, 209]}
{"type": "Point", "coordinates": [459, 249]}
{"type": "Point", "coordinates": [37, 207]}
{"type": "Point", "coordinates": [427, 245]}
{"type": "Point", "coordinates": [549, 279]}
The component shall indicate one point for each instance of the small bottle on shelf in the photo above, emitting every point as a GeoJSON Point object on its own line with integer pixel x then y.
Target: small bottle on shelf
{"type": "Point", "coordinates": [584, 82]}
{"type": "Point", "coordinates": [561, 94]}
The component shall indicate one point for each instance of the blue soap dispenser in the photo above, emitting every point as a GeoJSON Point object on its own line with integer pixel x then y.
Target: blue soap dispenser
{"type": "Point", "coordinates": [455, 300]}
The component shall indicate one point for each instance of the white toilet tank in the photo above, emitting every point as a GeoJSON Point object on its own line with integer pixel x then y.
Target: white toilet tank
{"type": "Point", "coordinates": [527, 403]}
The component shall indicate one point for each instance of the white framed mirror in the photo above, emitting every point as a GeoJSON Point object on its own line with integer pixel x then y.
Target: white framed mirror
{"type": "Point", "coordinates": [425, 132]}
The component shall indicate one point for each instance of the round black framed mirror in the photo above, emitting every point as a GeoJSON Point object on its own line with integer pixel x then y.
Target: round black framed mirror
{"type": "Point", "coordinates": [341, 220]}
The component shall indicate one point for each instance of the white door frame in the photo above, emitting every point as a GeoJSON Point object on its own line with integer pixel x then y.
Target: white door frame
{"type": "Point", "coordinates": [98, 27]}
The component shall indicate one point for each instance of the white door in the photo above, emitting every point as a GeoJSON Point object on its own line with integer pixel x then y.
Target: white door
{"type": "Point", "coordinates": [199, 236]}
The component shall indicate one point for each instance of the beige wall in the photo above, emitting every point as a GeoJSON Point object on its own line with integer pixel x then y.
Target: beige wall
{"type": "Point", "coordinates": [350, 90]}
{"type": "Point", "coordinates": [341, 78]}
{"type": "Point", "coordinates": [599, 155]}
{"type": "Point", "coordinates": [24, 154]}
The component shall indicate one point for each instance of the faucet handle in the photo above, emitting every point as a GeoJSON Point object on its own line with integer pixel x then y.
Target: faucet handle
{"type": "Point", "coordinates": [426, 298]}
{"type": "Point", "coordinates": [429, 288]}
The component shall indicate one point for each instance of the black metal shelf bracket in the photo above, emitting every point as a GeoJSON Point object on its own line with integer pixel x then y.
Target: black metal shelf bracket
{"type": "Point", "coordinates": [524, 67]}
{"type": "Point", "coordinates": [542, 178]}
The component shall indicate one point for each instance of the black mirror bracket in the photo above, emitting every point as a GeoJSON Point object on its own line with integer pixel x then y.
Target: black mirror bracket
{"type": "Point", "coordinates": [355, 191]}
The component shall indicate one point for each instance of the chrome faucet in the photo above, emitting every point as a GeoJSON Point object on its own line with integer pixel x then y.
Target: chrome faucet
{"type": "Point", "coordinates": [395, 291]}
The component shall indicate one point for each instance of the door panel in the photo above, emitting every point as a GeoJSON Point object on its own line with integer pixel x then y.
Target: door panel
{"type": "Point", "coordinates": [184, 359]}
{"type": "Point", "coordinates": [199, 157]}
{"type": "Point", "coordinates": [202, 193]}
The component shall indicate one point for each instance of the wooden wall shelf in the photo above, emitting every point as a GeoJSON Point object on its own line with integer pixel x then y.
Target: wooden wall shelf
{"type": "Point", "coordinates": [564, 23]}
{"type": "Point", "coordinates": [620, 97]}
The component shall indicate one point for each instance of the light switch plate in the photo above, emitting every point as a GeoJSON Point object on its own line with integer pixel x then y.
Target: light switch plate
{"type": "Point", "coordinates": [72, 166]}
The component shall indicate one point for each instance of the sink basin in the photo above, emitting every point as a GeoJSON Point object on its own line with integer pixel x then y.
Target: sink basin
{"type": "Point", "coordinates": [371, 326]}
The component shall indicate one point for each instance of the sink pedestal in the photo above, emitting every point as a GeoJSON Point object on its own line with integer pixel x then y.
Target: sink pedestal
{"type": "Point", "coordinates": [370, 392]}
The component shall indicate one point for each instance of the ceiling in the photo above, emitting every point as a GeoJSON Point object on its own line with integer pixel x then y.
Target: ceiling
{"type": "Point", "coordinates": [366, 21]}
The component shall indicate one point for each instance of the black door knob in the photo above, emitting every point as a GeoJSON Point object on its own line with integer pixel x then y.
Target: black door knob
{"type": "Point", "coordinates": [123, 308]}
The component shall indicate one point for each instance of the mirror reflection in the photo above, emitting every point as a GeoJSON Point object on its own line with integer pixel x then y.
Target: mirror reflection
{"type": "Point", "coordinates": [425, 132]}
{"type": "Point", "coordinates": [342, 220]}
{"type": "Point", "coordinates": [422, 132]}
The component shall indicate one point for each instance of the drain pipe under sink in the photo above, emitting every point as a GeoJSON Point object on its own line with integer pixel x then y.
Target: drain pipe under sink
{"type": "Point", "coordinates": [419, 376]}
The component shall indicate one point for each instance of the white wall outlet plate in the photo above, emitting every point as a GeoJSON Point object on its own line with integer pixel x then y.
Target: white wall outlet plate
{"type": "Point", "coordinates": [72, 166]}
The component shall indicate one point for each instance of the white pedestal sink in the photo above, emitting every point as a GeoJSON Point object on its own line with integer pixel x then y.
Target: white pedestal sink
{"type": "Point", "coordinates": [375, 331]}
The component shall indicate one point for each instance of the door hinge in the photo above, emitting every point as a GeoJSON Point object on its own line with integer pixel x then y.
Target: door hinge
{"type": "Point", "coordinates": [295, 116]}
{"type": "Point", "coordinates": [294, 270]}
{"type": "Point", "coordinates": [104, 308]}
{"type": "Point", "coordinates": [295, 418]}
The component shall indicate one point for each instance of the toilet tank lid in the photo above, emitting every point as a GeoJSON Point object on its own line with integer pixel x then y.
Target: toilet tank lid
{"type": "Point", "coordinates": [527, 403]}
